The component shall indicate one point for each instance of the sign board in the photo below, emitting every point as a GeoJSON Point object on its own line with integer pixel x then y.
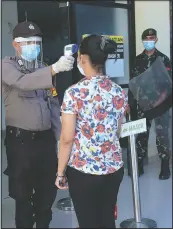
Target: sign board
{"type": "Point", "coordinates": [132, 128]}
{"type": "Point", "coordinates": [115, 62]}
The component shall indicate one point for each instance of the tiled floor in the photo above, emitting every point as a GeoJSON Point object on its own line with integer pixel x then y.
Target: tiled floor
{"type": "Point", "coordinates": [156, 200]}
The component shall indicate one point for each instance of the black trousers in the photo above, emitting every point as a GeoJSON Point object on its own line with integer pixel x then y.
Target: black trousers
{"type": "Point", "coordinates": [94, 197]}
{"type": "Point", "coordinates": [32, 165]}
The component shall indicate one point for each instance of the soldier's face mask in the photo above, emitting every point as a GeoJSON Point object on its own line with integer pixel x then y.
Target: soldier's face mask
{"type": "Point", "coordinates": [149, 45]}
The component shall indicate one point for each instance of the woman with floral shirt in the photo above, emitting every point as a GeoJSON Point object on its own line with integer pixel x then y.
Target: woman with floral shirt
{"type": "Point", "coordinates": [90, 153]}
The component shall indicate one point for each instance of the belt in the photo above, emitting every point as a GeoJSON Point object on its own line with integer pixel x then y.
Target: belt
{"type": "Point", "coordinates": [17, 132]}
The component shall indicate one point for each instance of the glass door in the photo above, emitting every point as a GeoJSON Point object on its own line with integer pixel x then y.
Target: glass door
{"type": "Point", "coordinates": [107, 18]}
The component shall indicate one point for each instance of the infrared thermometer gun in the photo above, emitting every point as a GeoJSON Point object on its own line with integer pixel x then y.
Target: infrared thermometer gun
{"type": "Point", "coordinates": [70, 50]}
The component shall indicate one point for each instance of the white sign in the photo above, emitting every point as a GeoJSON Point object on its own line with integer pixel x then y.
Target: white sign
{"type": "Point", "coordinates": [132, 128]}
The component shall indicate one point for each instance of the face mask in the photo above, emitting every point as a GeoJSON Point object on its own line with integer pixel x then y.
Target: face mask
{"type": "Point", "coordinates": [30, 52]}
{"type": "Point", "coordinates": [80, 69]}
{"type": "Point", "coordinates": [149, 45]}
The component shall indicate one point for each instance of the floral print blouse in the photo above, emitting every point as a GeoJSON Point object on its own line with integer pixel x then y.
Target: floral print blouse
{"type": "Point", "coordinates": [98, 104]}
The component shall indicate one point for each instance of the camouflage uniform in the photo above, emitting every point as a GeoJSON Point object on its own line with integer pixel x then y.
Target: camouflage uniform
{"type": "Point", "coordinates": [143, 62]}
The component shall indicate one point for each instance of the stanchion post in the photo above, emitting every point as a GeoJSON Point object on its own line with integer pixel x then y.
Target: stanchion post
{"type": "Point", "coordinates": [135, 181]}
{"type": "Point", "coordinates": [136, 222]}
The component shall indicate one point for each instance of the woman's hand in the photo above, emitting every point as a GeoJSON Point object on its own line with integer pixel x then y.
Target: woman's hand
{"type": "Point", "coordinates": [61, 182]}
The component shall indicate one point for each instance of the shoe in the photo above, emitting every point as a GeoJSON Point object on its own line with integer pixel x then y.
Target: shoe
{"type": "Point", "coordinates": [165, 170]}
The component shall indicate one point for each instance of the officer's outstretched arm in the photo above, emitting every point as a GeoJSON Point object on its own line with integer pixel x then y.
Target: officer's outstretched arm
{"type": "Point", "coordinates": [12, 76]}
{"type": "Point", "coordinates": [40, 79]}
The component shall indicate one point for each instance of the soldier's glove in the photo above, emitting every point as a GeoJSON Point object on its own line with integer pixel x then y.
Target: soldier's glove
{"type": "Point", "coordinates": [65, 63]}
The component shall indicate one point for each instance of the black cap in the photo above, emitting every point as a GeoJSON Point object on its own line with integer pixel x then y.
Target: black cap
{"type": "Point", "coordinates": [149, 32]}
{"type": "Point", "coordinates": [26, 29]}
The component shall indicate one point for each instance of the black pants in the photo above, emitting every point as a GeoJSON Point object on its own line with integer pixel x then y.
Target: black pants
{"type": "Point", "coordinates": [94, 197]}
{"type": "Point", "coordinates": [32, 165]}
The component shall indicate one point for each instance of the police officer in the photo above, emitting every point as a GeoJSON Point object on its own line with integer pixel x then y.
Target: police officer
{"type": "Point", "coordinates": [160, 114]}
{"type": "Point", "coordinates": [33, 126]}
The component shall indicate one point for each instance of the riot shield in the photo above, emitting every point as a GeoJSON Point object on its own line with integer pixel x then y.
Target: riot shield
{"type": "Point", "coordinates": [152, 87]}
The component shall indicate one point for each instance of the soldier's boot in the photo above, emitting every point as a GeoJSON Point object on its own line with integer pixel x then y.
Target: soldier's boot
{"type": "Point", "coordinates": [165, 170]}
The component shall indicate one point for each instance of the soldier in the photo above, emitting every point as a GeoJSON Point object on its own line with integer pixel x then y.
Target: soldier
{"type": "Point", "coordinates": [160, 114]}
{"type": "Point", "coordinates": [33, 126]}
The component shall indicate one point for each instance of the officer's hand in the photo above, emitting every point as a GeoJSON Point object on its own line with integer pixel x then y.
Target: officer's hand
{"type": "Point", "coordinates": [65, 63]}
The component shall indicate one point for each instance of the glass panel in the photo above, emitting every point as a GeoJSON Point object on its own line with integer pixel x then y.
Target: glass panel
{"type": "Point", "coordinates": [105, 21]}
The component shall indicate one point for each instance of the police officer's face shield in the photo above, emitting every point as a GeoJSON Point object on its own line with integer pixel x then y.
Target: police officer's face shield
{"type": "Point", "coordinates": [152, 87]}
{"type": "Point", "coordinates": [30, 51]}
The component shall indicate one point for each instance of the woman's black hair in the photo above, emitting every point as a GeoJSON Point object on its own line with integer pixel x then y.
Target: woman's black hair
{"type": "Point", "coordinates": [97, 48]}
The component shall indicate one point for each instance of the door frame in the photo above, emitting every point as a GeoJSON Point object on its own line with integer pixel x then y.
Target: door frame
{"type": "Point", "coordinates": [130, 6]}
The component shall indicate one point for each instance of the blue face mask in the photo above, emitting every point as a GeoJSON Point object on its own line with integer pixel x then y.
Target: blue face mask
{"type": "Point", "coordinates": [149, 45]}
{"type": "Point", "coordinates": [30, 52]}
